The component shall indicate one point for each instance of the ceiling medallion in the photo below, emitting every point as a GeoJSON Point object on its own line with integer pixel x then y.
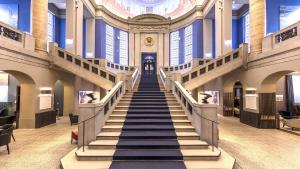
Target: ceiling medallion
{"type": "Point", "coordinates": [149, 41]}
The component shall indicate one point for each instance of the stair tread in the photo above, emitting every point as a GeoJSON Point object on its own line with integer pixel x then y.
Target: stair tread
{"type": "Point", "coordinates": [148, 152]}
{"type": "Point", "coordinates": [148, 115]}
{"type": "Point", "coordinates": [147, 120]}
{"type": "Point", "coordinates": [150, 110]}
{"type": "Point", "coordinates": [148, 142]}
{"type": "Point", "coordinates": [117, 133]}
{"type": "Point", "coordinates": [147, 165]}
{"type": "Point", "coordinates": [149, 126]}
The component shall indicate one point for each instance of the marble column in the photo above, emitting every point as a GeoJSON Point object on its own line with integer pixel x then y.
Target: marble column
{"type": "Point", "coordinates": [40, 24]}
{"type": "Point", "coordinates": [74, 26]}
{"type": "Point", "coordinates": [257, 25]}
{"type": "Point", "coordinates": [160, 51]}
{"type": "Point", "coordinates": [137, 50]}
{"type": "Point", "coordinates": [131, 48]}
{"type": "Point", "coordinates": [207, 35]}
{"type": "Point", "coordinates": [90, 37]}
{"type": "Point", "coordinates": [166, 48]}
{"type": "Point", "coordinates": [223, 20]}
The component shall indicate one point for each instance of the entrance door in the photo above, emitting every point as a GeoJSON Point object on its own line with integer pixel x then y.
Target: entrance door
{"type": "Point", "coordinates": [148, 63]}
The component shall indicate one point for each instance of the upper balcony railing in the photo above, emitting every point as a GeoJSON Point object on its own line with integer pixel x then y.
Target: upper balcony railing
{"type": "Point", "coordinates": [284, 37]}
{"type": "Point", "coordinates": [15, 37]}
{"type": "Point", "coordinates": [182, 68]}
{"type": "Point", "coordinates": [112, 66]}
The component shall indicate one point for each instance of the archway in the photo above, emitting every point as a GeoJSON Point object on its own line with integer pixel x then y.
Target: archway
{"type": "Point", "coordinates": [238, 100]}
{"type": "Point", "coordinates": [26, 99]}
{"type": "Point", "coordinates": [276, 96]}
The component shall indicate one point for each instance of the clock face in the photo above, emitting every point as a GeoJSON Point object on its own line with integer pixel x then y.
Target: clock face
{"type": "Point", "coordinates": [149, 41]}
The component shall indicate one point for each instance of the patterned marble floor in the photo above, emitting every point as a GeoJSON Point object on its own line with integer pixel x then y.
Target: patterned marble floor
{"type": "Point", "coordinates": [259, 148]}
{"type": "Point", "coordinates": [38, 148]}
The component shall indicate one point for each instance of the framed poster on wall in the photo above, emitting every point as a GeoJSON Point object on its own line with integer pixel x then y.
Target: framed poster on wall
{"type": "Point", "coordinates": [212, 97]}
{"type": "Point", "coordinates": [88, 97]}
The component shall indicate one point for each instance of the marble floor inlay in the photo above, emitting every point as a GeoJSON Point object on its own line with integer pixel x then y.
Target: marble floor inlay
{"type": "Point", "coordinates": [38, 148]}
{"type": "Point", "coordinates": [259, 148]}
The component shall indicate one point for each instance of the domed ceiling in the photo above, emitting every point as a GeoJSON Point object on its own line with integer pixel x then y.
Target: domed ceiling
{"type": "Point", "coordinates": [132, 8]}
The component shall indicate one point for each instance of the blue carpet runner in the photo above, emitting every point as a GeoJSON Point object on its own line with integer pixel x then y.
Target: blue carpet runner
{"type": "Point", "coordinates": [148, 139]}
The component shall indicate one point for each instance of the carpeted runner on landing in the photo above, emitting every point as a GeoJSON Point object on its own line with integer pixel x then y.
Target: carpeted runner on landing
{"type": "Point", "coordinates": [148, 139]}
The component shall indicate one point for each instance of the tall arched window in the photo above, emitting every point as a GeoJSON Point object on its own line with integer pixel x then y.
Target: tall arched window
{"type": "Point", "coordinates": [109, 43]}
{"type": "Point", "coordinates": [123, 48]}
{"type": "Point", "coordinates": [174, 49]}
{"type": "Point", "coordinates": [188, 44]}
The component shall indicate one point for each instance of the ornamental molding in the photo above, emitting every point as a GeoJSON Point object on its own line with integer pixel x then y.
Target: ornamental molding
{"type": "Point", "coordinates": [157, 28]}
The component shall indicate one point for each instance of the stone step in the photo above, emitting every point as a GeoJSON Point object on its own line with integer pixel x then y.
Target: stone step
{"type": "Point", "coordinates": [172, 112]}
{"type": "Point", "coordinates": [147, 135]}
{"type": "Point", "coordinates": [178, 128]}
{"type": "Point", "coordinates": [225, 161]}
{"type": "Point", "coordinates": [147, 122]}
{"type": "Point", "coordinates": [128, 103]}
{"type": "Point", "coordinates": [147, 100]}
{"type": "Point", "coordinates": [147, 116]}
{"type": "Point", "coordinates": [148, 107]}
{"type": "Point", "coordinates": [141, 154]}
{"type": "Point", "coordinates": [155, 144]}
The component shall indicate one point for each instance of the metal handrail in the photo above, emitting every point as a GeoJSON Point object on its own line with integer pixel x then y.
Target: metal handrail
{"type": "Point", "coordinates": [104, 101]}
{"type": "Point", "coordinates": [193, 102]}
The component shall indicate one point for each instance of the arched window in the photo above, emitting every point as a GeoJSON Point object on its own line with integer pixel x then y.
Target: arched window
{"type": "Point", "coordinates": [174, 49]}
{"type": "Point", "coordinates": [109, 43]}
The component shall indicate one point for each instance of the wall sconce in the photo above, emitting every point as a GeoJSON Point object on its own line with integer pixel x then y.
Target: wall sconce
{"type": "Point", "coordinates": [69, 41]}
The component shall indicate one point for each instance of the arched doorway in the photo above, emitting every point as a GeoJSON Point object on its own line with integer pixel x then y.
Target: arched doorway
{"type": "Point", "coordinates": [24, 96]}
{"type": "Point", "coordinates": [149, 63]}
{"type": "Point", "coordinates": [277, 99]}
{"type": "Point", "coordinates": [237, 99]}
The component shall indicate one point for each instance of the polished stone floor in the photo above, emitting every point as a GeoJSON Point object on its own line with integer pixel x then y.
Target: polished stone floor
{"type": "Point", "coordinates": [253, 148]}
{"type": "Point", "coordinates": [259, 148]}
{"type": "Point", "coordinates": [38, 148]}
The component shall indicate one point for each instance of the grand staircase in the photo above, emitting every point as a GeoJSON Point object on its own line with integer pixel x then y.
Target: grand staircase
{"type": "Point", "coordinates": [148, 130]}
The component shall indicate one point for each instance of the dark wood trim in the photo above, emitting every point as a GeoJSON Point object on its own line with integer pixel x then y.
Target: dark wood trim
{"type": "Point", "coordinates": [250, 118]}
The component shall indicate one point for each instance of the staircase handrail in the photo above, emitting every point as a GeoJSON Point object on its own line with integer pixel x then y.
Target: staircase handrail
{"type": "Point", "coordinates": [57, 52]}
{"type": "Point", "coordinates": [105, 103]}
{"type": "Point", "coordinates": [193, 107]}
{"type": "Point", "coordinates": [212, 65]}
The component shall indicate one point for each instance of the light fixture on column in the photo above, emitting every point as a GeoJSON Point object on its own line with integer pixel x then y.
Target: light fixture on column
{"type": "Point", "coordinates": [89, 54]}
{"type": "Point", "coordinates": [228, 42]}
{"type": "Point", "coordinates": [208, 55]}
{"type": "Point", "coordinates": [69, 41]}
{"type": "Point", "coordinates": [98, 2]}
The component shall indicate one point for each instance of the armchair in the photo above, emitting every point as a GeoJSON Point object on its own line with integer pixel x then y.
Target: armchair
{"type": "Point", "coordinates": [8, 128]}
{"type": "Point", "coordinates": [5, 138]}
{"type": "Point", "coordinates": [73, 118]}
